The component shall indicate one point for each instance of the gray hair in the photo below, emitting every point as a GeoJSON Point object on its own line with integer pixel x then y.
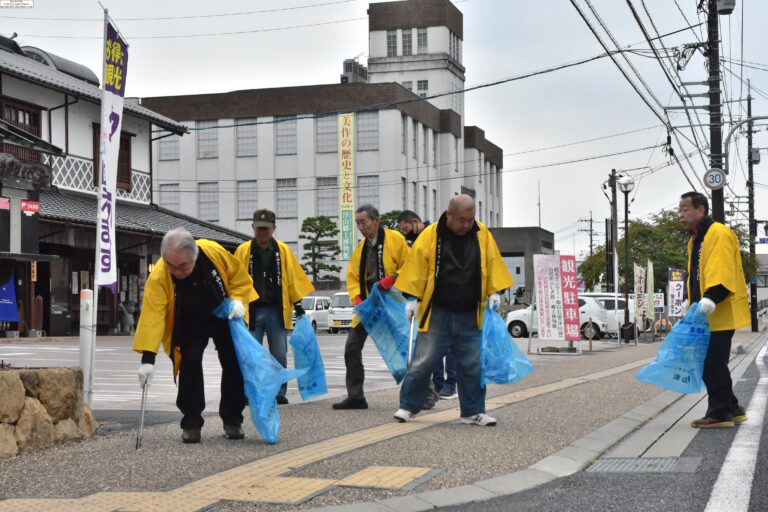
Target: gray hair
{"type": "Point", "coordinates": [180, 240]}
{"type": "Point", "coordinates": [371, 210]}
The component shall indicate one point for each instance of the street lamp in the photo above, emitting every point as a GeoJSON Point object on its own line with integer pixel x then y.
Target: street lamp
{"type": "Point", "coordinates": [626, 185]}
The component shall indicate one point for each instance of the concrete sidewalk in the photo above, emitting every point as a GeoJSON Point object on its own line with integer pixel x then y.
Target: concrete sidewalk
{"type": "Point", "coordinates": [328, 457]}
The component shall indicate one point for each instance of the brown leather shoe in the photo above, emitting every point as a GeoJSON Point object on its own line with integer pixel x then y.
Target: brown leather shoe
{"type": "Point", "coordinates": [711, 423]}
{"type": "Point", "coordinates": [190, 435]}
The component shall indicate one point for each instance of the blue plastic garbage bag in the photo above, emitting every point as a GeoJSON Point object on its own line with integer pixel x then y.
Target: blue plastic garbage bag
{"type": "Point", "coordinates": [383, 316]}
{"type": "Point", "coordinates": [306, 355]}
{"type": "Point", "coordinates": [679, 364]}
{"type": "Point", "coordinates": [501, 360]}
{"type": "Point", "coordinates": [262, 375]}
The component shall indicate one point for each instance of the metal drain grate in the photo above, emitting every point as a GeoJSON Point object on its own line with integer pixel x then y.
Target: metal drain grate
{"type": "Point", "coordinates": [646, 465]}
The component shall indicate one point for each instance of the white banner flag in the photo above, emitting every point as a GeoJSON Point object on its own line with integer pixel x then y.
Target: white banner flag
{"type": "Point", "coordinates": [114, 77]}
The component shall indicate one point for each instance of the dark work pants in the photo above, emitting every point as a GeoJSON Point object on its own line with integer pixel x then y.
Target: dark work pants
{"type": "Point", "coordinates": [191, 395]}
{"type": "Point", "coordinates": [353, 360]}
{"type": "Point", "coordinates": [717, 376]}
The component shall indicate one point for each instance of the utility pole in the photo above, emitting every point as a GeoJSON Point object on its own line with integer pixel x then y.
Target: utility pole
{"type": "Point", "coordinates": [590, 231]}
{"type": "Point", "coordinates": [615, 248]}
{"type": "Point", "coordinates": [752, 223]}
{"type": "Point", "coordinates": [715, 115]}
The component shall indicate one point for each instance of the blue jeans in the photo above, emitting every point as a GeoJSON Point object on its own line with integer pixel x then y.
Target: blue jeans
{"type": "Point", "coordinates": [454, 333]}
{"type": "Point", "coordinates": [269, 320]}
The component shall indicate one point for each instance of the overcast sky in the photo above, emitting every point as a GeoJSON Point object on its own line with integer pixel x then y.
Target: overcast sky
{"type": "Point", "coordinates": [502, 38]}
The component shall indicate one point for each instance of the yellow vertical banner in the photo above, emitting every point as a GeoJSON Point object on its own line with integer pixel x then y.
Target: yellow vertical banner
{"type": "Point", "coordinates": [347, 185]}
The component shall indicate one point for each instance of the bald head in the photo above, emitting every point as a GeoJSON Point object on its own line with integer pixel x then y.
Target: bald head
{"type": "Point", "coordinates": [460, 215]}
{"type": "Point", "coordinates": [461, 202]}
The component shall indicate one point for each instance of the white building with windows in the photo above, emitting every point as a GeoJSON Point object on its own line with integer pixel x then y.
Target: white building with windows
{"type": "Point", "coordinates": [278, 148]}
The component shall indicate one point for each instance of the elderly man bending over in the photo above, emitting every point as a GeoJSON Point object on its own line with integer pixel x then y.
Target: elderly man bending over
{"type": "Point", "coordinates": [188, 282]}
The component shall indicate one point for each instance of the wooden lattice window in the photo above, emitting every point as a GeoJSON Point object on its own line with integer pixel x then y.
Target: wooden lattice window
{"type": "Point", "coordinates": [25, 117]}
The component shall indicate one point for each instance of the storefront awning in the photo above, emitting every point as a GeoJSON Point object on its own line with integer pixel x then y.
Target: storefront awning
{"type": "Point", "coordinates": [131, 217]}
{"type": "Point", "coordinates": [16, 136]}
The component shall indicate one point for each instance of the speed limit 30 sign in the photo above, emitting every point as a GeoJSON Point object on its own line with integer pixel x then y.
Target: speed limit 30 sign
{"type": "Point", "coordinates": [714, 179]}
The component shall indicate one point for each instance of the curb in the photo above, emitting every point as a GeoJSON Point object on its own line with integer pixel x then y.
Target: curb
{"type": "Point", "coordinates": [565, 462]}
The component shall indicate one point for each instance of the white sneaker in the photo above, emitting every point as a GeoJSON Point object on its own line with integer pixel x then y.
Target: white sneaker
{"type": "Point", "coordinates": [402, 415]}
{"type": "Point", "coordinates": [481, 420]}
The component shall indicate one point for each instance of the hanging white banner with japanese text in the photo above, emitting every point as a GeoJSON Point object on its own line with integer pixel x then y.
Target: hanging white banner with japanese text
{"type": "Point", "coordinates": [557, 297]}
{"type": "Point", "coordinates": [346, 185]}
{"type": "Point", "coordinates": [675, 288]}
{"type": "Point", "coordinates": [114, 78]}
{"type": "Point", "coordinates": [640, 295]}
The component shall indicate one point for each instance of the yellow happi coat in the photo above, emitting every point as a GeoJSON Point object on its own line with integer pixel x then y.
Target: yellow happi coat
{"type": "Point", "coordinates": [720, 264]}
{"type": "Point", "coordinates": [296, 284]}
{"type": "Point", "coordinates": [395, 253]}
{"type": "Point", "coordinates": [157, 308]}
{"type": "Point", "coordinates": [417, 277]}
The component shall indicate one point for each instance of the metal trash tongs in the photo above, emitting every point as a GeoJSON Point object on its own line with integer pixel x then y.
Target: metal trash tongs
{"type": "Point", "coordinates": [140, 434]}
{"type": "Point", "coordinates": [410, 341]}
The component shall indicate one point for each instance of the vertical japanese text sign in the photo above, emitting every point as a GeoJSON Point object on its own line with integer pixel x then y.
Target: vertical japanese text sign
{"type": "Point", "coordinates": [640, 295]}
{"type": "Point", "coordinates": [570, 285]}
{"type": "Point", "coordinates": [347, 185]}
{"type": "Point", "coordinates": [557, 297]}
{"type": "Point", "coordinates": [675, 287]}
{"type": "Point", "coordinates": [115, 68]}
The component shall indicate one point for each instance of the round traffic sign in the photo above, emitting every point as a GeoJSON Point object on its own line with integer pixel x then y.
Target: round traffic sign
{"type": "Point", "coordinates": [714, 179]}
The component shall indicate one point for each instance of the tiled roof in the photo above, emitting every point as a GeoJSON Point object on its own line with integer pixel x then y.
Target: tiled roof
{"type": "Point", "coordinates": [150, 219]}
{"type": "Point", "coordinates": [25, 68]}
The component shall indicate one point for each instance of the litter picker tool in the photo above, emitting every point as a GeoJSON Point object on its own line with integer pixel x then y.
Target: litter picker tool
{"type": "Point", "coordinates": [140, 434]}
{"type": "Point", "coordinates": [410, 340]}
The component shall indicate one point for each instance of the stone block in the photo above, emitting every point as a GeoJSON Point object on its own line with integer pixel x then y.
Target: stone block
{"type": "Point", "coordinates": [58, 392]}
{"type": "Point", "coordinates": [87, 423]}
{"type": "Point", "coordinates": [35, 428]}
{"type": "Point", "coordinates": [8, 446]}
{"type": "Point", "coordinates": [11, 396]}
{"type": "Point", "coordinates": [31, 382]}
{"type": "Point", "coordinates": [66, 430]}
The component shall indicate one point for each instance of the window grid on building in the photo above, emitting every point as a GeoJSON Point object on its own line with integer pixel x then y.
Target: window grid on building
{"type": "Point", "coordinates": [168, 146]}
{"type": "Point", "coordinates": [327, 196]}
{"type": "Point", "coordinates": [247, 199]}
{"type": "Point", "coordinates": [408, 84]}
{"type": "Point", "coordinates": [434, 149]}
{"type": "Point", "coordinates": [368, 131]}
{"type": "Point", "coordinates": [424, 199]}
{"type": "Point", "coordinates": [170, 196]}
{"type": "Point", "coordinates": [407, 42]}
{"type": "Point", "coordinates": [415, 140]}
{"type": "Point", "coordinates": [404, 184]}
{"type": "Point", "coordinates": [208, 201]}
{"type": "Point", "coordinates": [434, 205]}
{"type": "Point", "coordinates": [404, 138]}
{"type": "Point", "coordinates": [414, 196]}
{"type": "Point", "coordinates": [326, 134]}
{"type": "Point", "coordinates": [421, 38]}
{"type": "Point", "coordinates": [422, 88]}
{"type": "Point", "coordinates": [245, 137]}
{"type": "Point", "coordinates": [207, 139]}
{"type": "Point", "coordinates": [287, 198]}
{"type": "Point", "coordinates": [425, 145]}
{"type": "Point", "coordinates": [391, 43]}
{"type": "Point", "coordinates": [285, 135]}
{"type": "Point", "coordinates": [368, 190]}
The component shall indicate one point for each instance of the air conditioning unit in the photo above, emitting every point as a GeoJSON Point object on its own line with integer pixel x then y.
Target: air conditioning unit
{"type": "Point", "coordinates": [725, 6]}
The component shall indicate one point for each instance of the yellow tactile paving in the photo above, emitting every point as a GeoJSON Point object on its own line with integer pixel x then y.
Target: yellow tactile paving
{"type": "Point", "coordinates": [384, 477]}
{"type": "Point", "coordinates": [260, 480]}
{"type": "Point", "coordinates": [283, 490]}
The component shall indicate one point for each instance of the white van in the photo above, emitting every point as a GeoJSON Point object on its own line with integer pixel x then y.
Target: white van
{"type": "Point", "coordinates": [518, 320]}
{"type": "Point", "coordinates": [316, 309]}
{"type": "Point", "coordinates": [607, 300]}
{"type": "Point", "coordinates": [341, 312]}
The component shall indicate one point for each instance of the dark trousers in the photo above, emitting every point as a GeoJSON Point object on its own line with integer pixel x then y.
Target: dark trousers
{"type": "Point", "coordinates": [717, 376]}
{"type": "Point", "coordinates": [353, 360]}
{"type": "Point", "coordinates": [191, 395]}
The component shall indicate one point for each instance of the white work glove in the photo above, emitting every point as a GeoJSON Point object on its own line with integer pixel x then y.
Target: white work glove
{"type": "Point", "coordinates": [494, 300]}
{"type": "Point", "coordinates": [411, 308]}
{"type": "Point", "coordinates": [686, 305]}
{"type": "Point", "coordinates": [146, 371]}
{"type": "Point", "coordinates": [707, 306]}
{"type": "Point", "coordinates": [236, 310]}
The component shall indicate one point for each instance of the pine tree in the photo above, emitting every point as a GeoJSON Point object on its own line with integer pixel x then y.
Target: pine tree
{"type": "Point", "coordinates": [321, 249]}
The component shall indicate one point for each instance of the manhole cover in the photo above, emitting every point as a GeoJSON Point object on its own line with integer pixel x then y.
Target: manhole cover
{"type": "Point", "coordinates": [646, 465]}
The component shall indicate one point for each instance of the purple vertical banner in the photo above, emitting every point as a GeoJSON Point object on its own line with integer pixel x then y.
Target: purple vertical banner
{"type": "Point", "coordinates": [114, 79]}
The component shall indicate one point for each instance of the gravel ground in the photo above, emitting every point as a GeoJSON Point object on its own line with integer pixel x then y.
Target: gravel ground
{"type": "Point", "coordinates": [527, 432]}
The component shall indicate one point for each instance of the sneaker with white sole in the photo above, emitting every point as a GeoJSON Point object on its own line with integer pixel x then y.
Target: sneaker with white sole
{"type": "Point", "coordinates": [481, 420]}
{"type": "Point", "coordinates": [402, 415]}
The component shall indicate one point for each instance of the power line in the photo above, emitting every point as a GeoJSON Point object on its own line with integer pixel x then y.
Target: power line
{"type": "Point", "coordinates": [191, 17]}
{"type": "Point", "coordinates": [582, 141]}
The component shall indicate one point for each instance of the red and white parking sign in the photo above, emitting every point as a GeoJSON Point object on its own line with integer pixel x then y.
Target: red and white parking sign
{"type": "Point", "coordinates": [570, 285]}
{"type": "Point", "coordinates": [557, 297]}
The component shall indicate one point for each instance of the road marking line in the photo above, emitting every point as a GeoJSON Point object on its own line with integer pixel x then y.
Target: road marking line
{"type": "Point", "coordinates": [732, 490]}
